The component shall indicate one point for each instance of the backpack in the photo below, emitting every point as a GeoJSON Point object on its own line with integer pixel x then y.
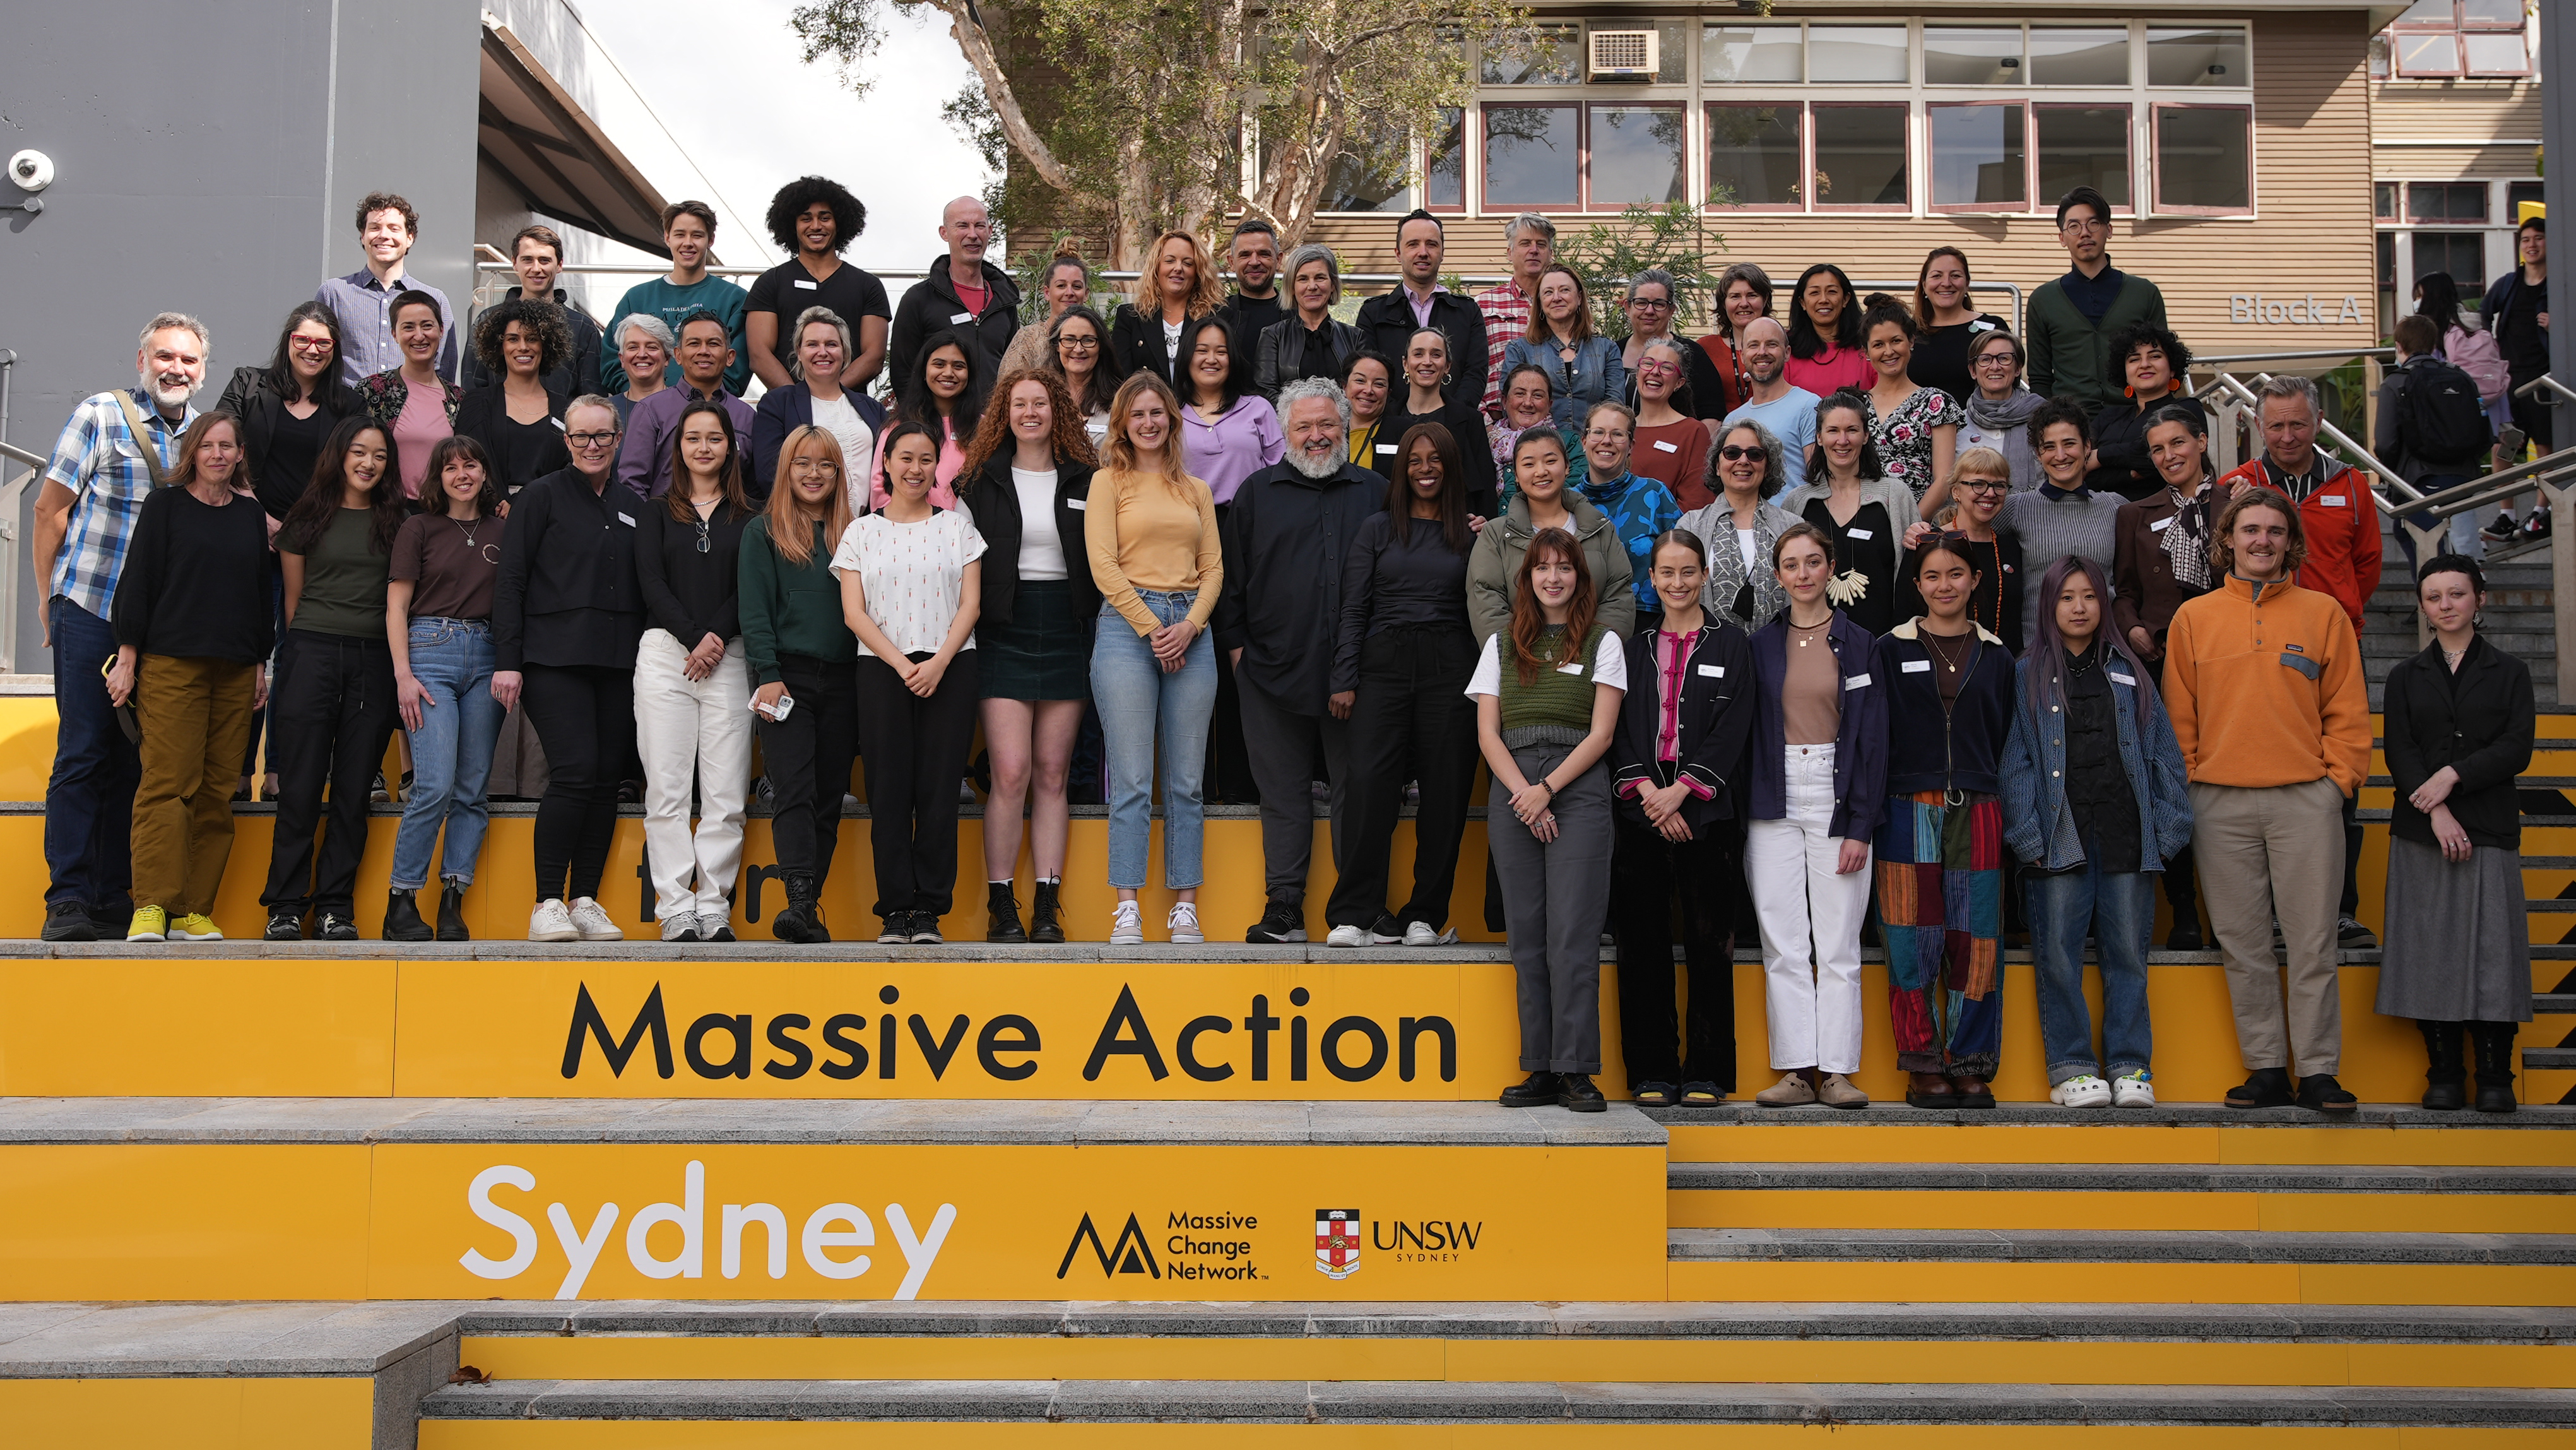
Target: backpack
{"type": "Point", "coordinates": [2440, 418]}
{"type": "Point", "coordinates": [2476, 354]}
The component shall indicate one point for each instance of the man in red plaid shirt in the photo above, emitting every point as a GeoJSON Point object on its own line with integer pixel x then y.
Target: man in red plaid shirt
{"type": "Point", "coordinates": [1530, 240]}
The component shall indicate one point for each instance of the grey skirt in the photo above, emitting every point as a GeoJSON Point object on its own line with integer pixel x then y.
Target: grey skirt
{"type": "Point", "coordinates": [2459, 943]}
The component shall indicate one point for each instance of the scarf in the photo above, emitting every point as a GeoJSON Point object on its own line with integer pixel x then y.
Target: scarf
{"type": "Point", "coordinates": [2187, 538]}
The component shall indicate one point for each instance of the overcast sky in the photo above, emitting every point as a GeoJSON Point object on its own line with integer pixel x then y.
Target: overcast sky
{"type": "Point", "coordinates": [729, 83]}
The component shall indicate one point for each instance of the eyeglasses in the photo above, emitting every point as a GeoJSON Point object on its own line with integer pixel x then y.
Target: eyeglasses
{"type": "Point", "coordinates": [2084, 224]}
{"type": "Point", "coordinates": [1659, 369]}
{"type": "Point", "coordinates": [1734, 452]}
{"type": "Point", "coordinates": [1985, 485]}
{"type": "Point", "coordinates": [309, 344]}
{"type": "Point", "coordinates": [1994, 359]}
{"type": "Point", "coordinates": [591, 440]}
{"type": "Point", "coordinates": [1077, 344]}
{"type": "Point", "coordinates": [1656, 304]}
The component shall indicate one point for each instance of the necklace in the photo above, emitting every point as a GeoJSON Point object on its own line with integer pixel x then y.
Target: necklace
{"type": "Point", "coordinates": [467, 529]}
{"type": "Point", "coordinates": [1805, 636]}
{"type": "Point", "coordinates": [1940, 647]}
{"type": "Point", "coordinates": [2451, 657]}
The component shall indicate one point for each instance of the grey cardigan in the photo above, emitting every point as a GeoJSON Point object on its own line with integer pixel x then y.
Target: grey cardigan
{"type": "Point", "coordinates": [1902, 510]}
{"type": "Point", "coordinates": [1727, 576]}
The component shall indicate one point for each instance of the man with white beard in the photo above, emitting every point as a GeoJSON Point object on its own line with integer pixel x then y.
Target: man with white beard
{"type": "Point", "coordinates": [1286, 534]}
{"type": "Point", "coordinates": [113, 452]}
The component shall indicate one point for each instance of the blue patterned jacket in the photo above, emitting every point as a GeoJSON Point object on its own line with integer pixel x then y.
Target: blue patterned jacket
{"type": "Point", "coordinates": [2039, 826]}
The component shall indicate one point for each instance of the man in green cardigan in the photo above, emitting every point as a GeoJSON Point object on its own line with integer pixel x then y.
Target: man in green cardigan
{"type": "Point", "coordinates": [2073, 318]}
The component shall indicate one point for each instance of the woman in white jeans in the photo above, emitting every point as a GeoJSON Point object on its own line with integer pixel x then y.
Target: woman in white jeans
{"type": "Point", "coordinates": [692, 690]}
{"type": "Point", "coordinates": [1819, 787]}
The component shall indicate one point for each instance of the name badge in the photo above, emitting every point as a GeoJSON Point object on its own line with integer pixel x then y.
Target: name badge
{"type": "Point", "coordinates": [627, 520]}
{"type": "Point", "coordinates": [2121, 678]}
{"type": "Point", "coordinates": [1914, 667]}
{"type": "Point", "coordinates": [2008, 568]}
{"type": "Point", "coordinates": [1859, 534]}
{"type": "Point", "coordinates": [1386, 448]}
{"type": "Point", "coordinates": [808, 286]}
{"type": "Point", "coordinates": [1712, 672]}
{"type": "Point", "coordinates": [1664, 447]}
{"type": "Point", "coordinates": [957, 317]}
{"type": "Point", "coordinates": [1569, 669]}
{"type": "Point", "coordinates": [1080, 503]}
{"type": "Point", "coordinates": [2160, 525]}
{"type": "Point", "coordinates": [1855, 682]}
{"type": "Point", "coordinates": [2331, 500]}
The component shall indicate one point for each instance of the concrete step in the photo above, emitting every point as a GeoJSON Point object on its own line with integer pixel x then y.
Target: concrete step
{"type": "Point", "coordinates": [2099, 1246]}
{"type": "Point", "coordinates": [2143, 1178]}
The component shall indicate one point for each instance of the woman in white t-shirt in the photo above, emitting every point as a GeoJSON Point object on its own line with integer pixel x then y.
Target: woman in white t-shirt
{"type": "Point", "coordinates": [911, 587]}
{"type": "Point", "coordinates": [817, 398]}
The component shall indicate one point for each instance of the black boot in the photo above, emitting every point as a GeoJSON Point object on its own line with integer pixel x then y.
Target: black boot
{"type": "Point", "coordinates": [2493, 1042]}
{"type": "Point", "coordinates": [451, 911]}
{"type": "Point", "coordinates": [1005, 910]}
{"type": "Point", "coordinates": [1044, 925]}
{"type": "Point", "coordinates": [2443, 1071]}
{"type": "Point", "coordinates": [802, 921]}
{"type": "Point", "coordinates": [402, 917]}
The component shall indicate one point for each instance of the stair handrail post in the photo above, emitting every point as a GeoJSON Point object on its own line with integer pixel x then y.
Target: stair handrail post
{"type": "Point", "coordinates": [2562, 563]}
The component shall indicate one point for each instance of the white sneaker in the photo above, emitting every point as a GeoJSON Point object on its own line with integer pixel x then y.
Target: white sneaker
{"type": "Point", "coordinates": [552, 921]}
{"type": "Point", "coordinates": [590, 920]}
{"type": "Point", "coordinates": [1127, 928]}
{"type": "Point", "coordinates": [2133, 1090]}
{"type": "Point", "coordinates": [1183, 923]}
{"type": "Point", "coordinates": [680, 926]}
{"type": "Point", "coordinates": [2083, 1090]}
{"type": "Point", "coordinates": [1420, 934]}
{"type": "Point", "coordinates": [1348, 936]}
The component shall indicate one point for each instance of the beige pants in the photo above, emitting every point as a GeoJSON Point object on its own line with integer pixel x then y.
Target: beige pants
{"type": "Point", "coordinates": [2261, 851]}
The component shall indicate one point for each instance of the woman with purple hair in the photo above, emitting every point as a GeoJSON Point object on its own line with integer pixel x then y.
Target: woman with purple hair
{"type": "Point", "coordinates": [2094, 800]}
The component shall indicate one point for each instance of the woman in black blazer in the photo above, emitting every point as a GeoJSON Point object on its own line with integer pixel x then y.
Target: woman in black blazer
{"type": "Point", "coordinates": [822, 350]}
{"type": "Point", "coordinates": [1026, 484]}
{"type": "Point", "coordinates": [2460, 727]}
{"type": "Point", "coordinates": [1180, 287]}
{"type": "Point", "coordinates": [519, 420]}
{"type": "Point", "coordinates": [289, 407]}
{"type": "Point", "coordinates": [1685, 727]}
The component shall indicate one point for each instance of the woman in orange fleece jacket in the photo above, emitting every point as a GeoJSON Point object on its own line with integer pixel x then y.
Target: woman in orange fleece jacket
{"type": "Point", "coordinates": [2263, 681]}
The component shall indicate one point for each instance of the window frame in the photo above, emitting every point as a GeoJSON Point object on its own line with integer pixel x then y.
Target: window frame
{"type": "Point", "coordinates": [1583, 147]}
{"type": "Point", "coordinates": [1484, 141]}
{"type": "Point", "coordinates": [1805, 158]}
{"type": "Point", "coordinates": [2128, 150]}
{"type": "Point", "coordinates": [1913, 174]}
{"type": "Point", "coordinates": [2029, 183]}
{"type": "Point", "coordinates": [1468, 137]}
{"type": "Point", "coordinates": [2155, 160]}
{"type": "Point", "coordinates": [2458, 28]}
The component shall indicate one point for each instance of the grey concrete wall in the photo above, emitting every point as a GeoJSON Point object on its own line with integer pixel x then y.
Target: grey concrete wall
{"type": "Point", "coordinates": [208, 158]}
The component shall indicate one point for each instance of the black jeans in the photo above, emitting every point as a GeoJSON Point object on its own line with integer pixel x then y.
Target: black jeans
{"type": "Point", "coordinates": [330, 717]}
{"type": "Point", "coordinates": [1706, 874]}
{"type": "Point", "coordinates": [808, 757]}
{"type": "Point", "coordinates": [584, 716]}
{"type": "Point", "coordinates": [89, 800]}
{"type": "Point", "coordinates": [1412, 721]}
{"type": "Point", "coordinates": [916, 750]}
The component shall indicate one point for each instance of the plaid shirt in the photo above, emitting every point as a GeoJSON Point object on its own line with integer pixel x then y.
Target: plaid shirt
{"type": "Point", "coordinates": [365, 309]}
{"type": "Point", "coordinates": [1507, 318]}
{"type": "Point", "coordinates": [99, 460]}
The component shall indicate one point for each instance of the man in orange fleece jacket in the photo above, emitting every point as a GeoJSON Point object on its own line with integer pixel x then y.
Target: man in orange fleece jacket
{"type": "Point", "coordinates": [2263, 681]}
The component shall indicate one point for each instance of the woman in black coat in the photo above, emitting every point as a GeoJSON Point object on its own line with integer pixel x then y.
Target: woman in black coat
{"type": "Point", "coordinates": [1679, 754]}
{"type": "Point", "coordinates": [289, 407]}
{"type": "Point", "coordinates": [519, 419]}
{"type": "Point", "coordinates": [2460, 727]}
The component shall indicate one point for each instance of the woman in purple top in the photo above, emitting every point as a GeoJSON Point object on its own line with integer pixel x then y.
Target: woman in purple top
{"type": "Point", "coordinates": [1228, 433]}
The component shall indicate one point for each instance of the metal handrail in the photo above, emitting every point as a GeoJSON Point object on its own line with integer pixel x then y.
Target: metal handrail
{"type": "Point", "coordinates": [16, 454]}
{"type": "Point", "coordinates": [2336, 352]}
{"type": "Point", "coordinates": [2545, 381]}
{"type": "Point", "coordinates": [2234, 389]}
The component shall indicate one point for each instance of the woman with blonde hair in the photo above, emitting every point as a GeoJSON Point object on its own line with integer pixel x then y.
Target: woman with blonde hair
{"type": "Point", "coordinates": [1179, 284]}
{"type": "Point", "coordinates": [1150, 529]}
{"type": "Point", "coordinates": [804, 663]}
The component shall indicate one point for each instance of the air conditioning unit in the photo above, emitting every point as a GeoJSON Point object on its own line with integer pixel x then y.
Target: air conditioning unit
{"type": "Point", "coordinates": [1623, 55]}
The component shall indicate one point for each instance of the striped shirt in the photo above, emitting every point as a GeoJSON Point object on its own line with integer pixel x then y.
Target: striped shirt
{"type": "Point", "coordinates": [99, 461]}
{"type": "Point", "coordinates": [1507, 320]}
{"type": "Point", "coordinates": [365, 309]}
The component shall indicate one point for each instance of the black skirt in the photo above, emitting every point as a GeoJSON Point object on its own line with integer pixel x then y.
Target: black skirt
{"type": "Point", "coordinates": [1044, 653]}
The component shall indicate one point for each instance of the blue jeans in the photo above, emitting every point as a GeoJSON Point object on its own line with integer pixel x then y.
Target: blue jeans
{"type": "Point", "coordinates": [89, 801]}
{"type": "Point", "coordinates": [451, 752]}
{"type": "Point", "coordinates": [2119, 908]}
{"type": "Point", "coordinates": [1137, 702]}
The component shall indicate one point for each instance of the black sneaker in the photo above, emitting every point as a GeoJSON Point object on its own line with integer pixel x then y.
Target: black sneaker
{"type": "Point", "coordinates": [2502, 527]}
{"type": "Point", "coordinates": [1539, 1092]}
{"type": "Point", "coordinates": [897, 930]}
{"type": "Point", "coordinates": [2185, 937]}
{"type": "Point", "coordinates": [2353, 936]}
{"type": "Point", "coordinates": [335, 927]}
{"type": "Point", "coordinates": [1387, 932]}
{"type": "Point", "coordinates": [1280, 922]}
{"type": "Point", "coordinates": [2268, 1087]}
{"type": "Point", "coordinates": [1575, 1093]}
{"type": "Point", "coordinates": [925, 929]}
{"type": "Point", "coordinates": [2320, 1093]}
{"type": "Point", "coordinates": [2536, 526]}
{"type": "Point", "coordinates": [284, 926]}
{"type": "Point", "coordinates": [69, 921]}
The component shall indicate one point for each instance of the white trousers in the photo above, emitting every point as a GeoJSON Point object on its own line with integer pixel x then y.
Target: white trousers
{"type": "Point", "coordinates": [1811, 988]}
{"type": "Point", "coordinates": [687, 729]}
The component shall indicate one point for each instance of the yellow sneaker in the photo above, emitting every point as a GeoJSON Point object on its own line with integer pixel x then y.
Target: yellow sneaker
{"type": "Point", "coordinates": [151, 923]}
{"type": "Point", "coordinates": [195, 926]}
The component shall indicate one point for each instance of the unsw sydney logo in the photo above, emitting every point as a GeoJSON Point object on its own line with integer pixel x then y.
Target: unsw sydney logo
{"type": "Point", "coordinates": [1219, 1246]}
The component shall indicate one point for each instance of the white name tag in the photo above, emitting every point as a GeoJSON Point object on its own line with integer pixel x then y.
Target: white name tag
{"type": "Point", "coordinates": [1662, 446]}
{"type": "Point", "coordinates": [1386, 448]}
{"type": "Point", "coordinates": [955, 318]}
{"type": "Point", "coordinates": [1569, 669]}
{"type": "Point", "coordinates": [1712, 672]}
{"type": "Point", "coordinates": [808, 286]}
{"type": "Point", "coordinates": [2331, 500]}
{"type": "Point", "coordinates": [1859, 533]}
{"type": "Point", "coordinates": [626, 520]}
{"type": "Point", "coordinates": [1854, 682]}
{"type": "Point", "coordinates": [2121, 678]}
{"type": "Point", "coordinates": [2159, 526]}
{"type": "Point", "coordinates": [1916, 667]}
{"type": "Point", "coordinates": [1080, 503]}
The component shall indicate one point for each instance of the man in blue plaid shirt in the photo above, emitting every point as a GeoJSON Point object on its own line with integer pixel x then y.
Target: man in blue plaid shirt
{"type": "Point", "coordinates": [103, 467]}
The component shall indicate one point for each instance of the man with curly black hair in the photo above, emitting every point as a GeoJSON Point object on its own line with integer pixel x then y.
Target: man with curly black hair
{"type": "Point", "coordinates": [536, 255]}
{"type": "Point", "coordinates": [814, 218]}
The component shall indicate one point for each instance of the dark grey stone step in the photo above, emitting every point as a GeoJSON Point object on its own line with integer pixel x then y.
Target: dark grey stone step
{"type": "Point", "coordinates": [2552, 1058]}
{"type": "Point", "coordinates": [2113, 1246]}
{"type": "Point", "coordinates": [2123, 1177]}
{"type": "Point", "coordinates": [1382, 1401]}
{"type": "Point", "coordinates": [2545, 1003]}
{"type": "Point", "coordinates": [2369, 1116]}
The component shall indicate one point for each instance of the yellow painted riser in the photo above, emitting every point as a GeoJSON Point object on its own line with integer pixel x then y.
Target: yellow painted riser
{"type": "Point", "coordinates": [1865, 1281]}
{"type": "Point", "coordinates": [1898, 1142]}
{"type": "Point", "coordinates": [1505, 1361]}
{"type": "Point", "coordinates": [447, 1027]}
{"type": "Point", "coordinates": [1879, 1208]}
{"type": "Point", "coordinates": [930, 1435]}
{"type": "Point", "coordinates": [201, 1414]}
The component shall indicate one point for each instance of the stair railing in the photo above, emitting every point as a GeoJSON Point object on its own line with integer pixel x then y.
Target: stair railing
{"type": "Point", "coordinates": [11, 494]}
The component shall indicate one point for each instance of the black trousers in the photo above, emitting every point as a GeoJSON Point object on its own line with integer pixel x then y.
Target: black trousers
{"type": "Point", "coordinates": [1412, 721]}
{"type": "Point", "coordinates": [1648, 875]}
{"type": "Point", "coordinates": [807, 757]}
{"type": "Point", "coordinates": [584, 716]}
{"type": "Point", "coordinates": [330, 717]}
{"type": "Point", "coordinates": [916, 750]}
{"type": "Point", "coordinates": [2182, 890]}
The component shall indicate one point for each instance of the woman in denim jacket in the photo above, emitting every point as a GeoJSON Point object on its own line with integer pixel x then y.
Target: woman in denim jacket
{"type": "Point", "coordinates": [2095, 799]}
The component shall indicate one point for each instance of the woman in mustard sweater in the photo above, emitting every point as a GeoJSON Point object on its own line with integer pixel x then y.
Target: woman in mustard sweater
{"type": "Point", "coordinates": [1150, 529]}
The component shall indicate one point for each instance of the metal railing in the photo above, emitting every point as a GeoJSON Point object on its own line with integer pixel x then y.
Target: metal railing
{"type": "Point", "coordinates": [12, 493]}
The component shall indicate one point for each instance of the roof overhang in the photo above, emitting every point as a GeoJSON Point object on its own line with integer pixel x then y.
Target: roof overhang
{"type": "Point", "coordinates": [533, 132]}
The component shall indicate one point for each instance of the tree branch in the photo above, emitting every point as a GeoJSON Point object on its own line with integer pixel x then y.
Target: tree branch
{"type": "Point", "coordinates": [977, 47]}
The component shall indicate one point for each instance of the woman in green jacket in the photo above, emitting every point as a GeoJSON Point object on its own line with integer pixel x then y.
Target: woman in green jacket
{"type": "Point", "coordinates": [1542, 501]}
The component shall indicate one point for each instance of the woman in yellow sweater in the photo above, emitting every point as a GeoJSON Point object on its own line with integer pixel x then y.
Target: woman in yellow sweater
{"type": "Point", "coordinates": [1150, 529]}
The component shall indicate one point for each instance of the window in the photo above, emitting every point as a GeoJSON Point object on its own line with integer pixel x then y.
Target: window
{"type": "Point", "coordinates": [2383, 201]}
{"type": "Point", "coordinates": [1752, 54]}
{"type": "Point", "coordinates": [1533, 157]}
{"type": "Point", "coordinates": [1972, 55]}
{"type": "Point", "coordinates": [1635, 156]}
{"type": "Point", "coordinates": [1603, 156]}
{"type": "Point", "coordinates": [2196, 56]}
{"type": "Point", "coordinates": [1557, 59]}
{"type": "Point", "coordinates": [1754, 156]}
{"type": "Point", "coordinates": [2064, 56]}
{"type": "Point", "coordinates": [2518, 194]}
{"type": "Point", "coordinates": [2462, 254]}
{"type": "Point", "coordinates": [1979, 158]}
{"type": "Point", "coordinates": [2204, 160]}
{"type": "Point", "coordinates": [2083, 146]}
{"type": "Point", "coordinates": [2387, 283]}
{"type": "Point", "coordinates": [1374, 172]}
{"type": "Point", "coordinates": [2474, 38]}
{"type": "Point", "coordinates": [1856, 54]}
{"type": "Point", "coordinates": [1860, 157]}
{"type": "Point", "coordinates": [1445, 163]}
{"type": "Point", "coordinates": [2446, 201]}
